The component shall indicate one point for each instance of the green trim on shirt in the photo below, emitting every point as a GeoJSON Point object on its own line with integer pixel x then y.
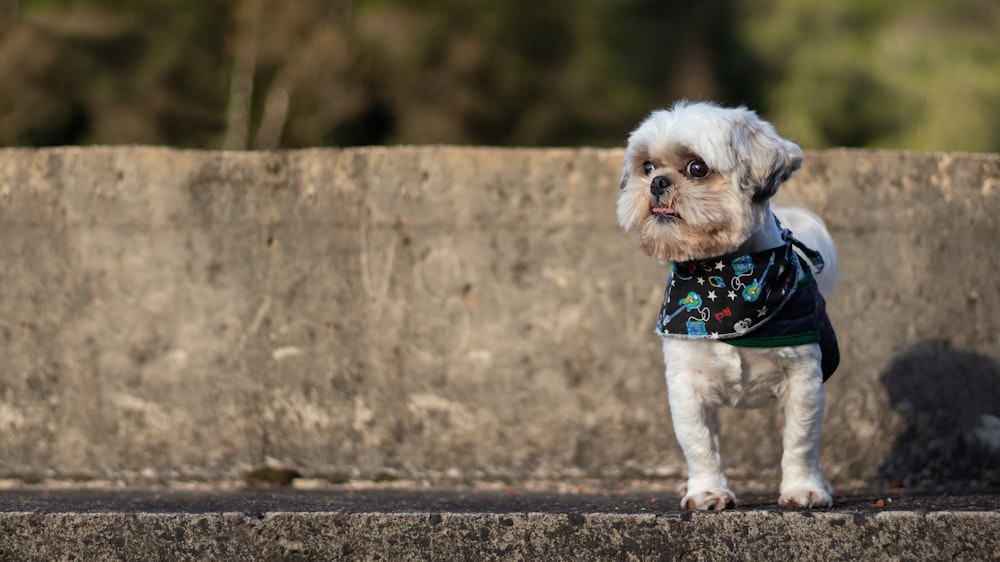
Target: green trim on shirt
{"type": "Point", "coordinates": [776, 341]}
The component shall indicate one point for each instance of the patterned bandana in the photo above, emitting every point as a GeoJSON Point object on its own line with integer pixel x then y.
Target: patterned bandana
{"type": "Point", "coordinates": [733, 295]}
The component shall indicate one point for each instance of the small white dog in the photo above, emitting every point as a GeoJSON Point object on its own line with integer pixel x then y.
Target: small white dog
{"type": "Point", "coordinates": [742, 319]}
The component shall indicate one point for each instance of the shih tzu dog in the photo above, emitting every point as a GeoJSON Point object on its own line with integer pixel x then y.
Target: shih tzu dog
{"type": "Point", "coordinates": [743, 320]}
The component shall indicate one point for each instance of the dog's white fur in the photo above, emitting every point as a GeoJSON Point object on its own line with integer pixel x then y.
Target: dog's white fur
{"type": "Point", "coordinates": [699, 217]}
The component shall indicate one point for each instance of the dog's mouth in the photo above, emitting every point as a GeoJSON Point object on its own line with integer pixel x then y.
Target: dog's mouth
{"type": "Point", "coordinates": [665, 214]}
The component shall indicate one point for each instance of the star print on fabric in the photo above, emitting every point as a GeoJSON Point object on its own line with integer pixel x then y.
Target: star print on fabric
{"type": "Point", "coordinates": [758, 285]}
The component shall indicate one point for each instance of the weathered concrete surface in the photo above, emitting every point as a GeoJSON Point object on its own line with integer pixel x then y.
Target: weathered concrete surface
{"type": "Point", "coordinates": [450, 314]}
{"type": "Point", "coordinates": [481, 526]}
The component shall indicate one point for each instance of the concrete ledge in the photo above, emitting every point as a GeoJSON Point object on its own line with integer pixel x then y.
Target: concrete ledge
{"type": "Point", "coordinates": [440, 525]}
{"type": "Point", "coordinates": [452, 314]}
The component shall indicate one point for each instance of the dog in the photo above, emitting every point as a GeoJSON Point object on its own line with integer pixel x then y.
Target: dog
{"type": "Point", "coordinates": [743, 318]}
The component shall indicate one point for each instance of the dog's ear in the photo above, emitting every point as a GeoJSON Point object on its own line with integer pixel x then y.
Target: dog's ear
{"type": "Point", "coordinates": [626, 176]}
{"type": "Point", "coordinates": [769, 159]}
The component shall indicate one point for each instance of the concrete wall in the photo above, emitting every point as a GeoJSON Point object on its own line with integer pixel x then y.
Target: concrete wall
{"type": "Point", "coordinates": [452, 313]}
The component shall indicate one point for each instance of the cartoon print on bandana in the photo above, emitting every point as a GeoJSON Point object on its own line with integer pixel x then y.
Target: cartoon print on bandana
{"type": "Point", "coordinates": [743, 267]}
{"type": "Point", "coordinates": [730, 296]}
{"type": "Point", "coordinates": [695, 325]}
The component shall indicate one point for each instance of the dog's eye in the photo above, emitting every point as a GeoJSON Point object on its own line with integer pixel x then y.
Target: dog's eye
{"type": "Point", "coordinates": [648, 167]}
{"type": "Point", "coordinates": [697, 168]}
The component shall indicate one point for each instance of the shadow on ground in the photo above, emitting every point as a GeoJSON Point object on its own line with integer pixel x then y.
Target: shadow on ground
{"type": "Point", "coordinates": [951, 401]}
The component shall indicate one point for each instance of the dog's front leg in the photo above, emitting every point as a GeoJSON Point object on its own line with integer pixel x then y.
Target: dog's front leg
{"type": "Point", "coordinates": [802, 480]}
{"type": "Point", "coordinates": [696, 425]}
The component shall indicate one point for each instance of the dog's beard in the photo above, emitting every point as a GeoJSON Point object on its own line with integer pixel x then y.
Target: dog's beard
{"type": "Point", "coordinates": [703, 222]}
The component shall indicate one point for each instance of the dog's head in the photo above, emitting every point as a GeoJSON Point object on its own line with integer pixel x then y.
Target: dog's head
{"type": "Point", "coordinates": [698, 177]}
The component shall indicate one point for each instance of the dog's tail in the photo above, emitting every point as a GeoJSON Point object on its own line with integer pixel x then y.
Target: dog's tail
{"type": "Point", "coordinates": [811, 231]}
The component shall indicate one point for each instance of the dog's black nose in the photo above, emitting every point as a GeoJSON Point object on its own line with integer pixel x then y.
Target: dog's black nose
{"type": "Point", "coordinates": [660, 185]}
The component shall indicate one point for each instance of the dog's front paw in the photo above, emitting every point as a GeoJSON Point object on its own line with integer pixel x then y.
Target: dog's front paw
{"type": "Point", "coordinates": [716, 499]}
{"type": "Point", "coordinates": [807, 497]}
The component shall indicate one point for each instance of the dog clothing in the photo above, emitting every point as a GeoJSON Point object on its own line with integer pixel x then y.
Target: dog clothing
{"type": "Point", "coordinates": [763, 299]}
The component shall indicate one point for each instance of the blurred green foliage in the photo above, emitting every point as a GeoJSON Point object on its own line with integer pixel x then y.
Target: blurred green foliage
{"type": "Point", "coordinates": [922, 75]}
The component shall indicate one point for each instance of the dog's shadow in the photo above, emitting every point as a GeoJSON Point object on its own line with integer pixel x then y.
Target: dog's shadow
{"type": "Point", "coordinates": [951, 402]}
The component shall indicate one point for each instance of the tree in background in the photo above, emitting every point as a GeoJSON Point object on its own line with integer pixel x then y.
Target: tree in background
{"type": "Point", "coordinates": [922, 75]}
{"type": "Point", "coordinates": [108, 72]}
{"type": "Point", "coordinates": [267, 74]}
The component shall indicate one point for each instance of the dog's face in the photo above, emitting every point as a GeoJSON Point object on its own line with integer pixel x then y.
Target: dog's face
{"type": "Point", "coordinates": [697, 179]}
